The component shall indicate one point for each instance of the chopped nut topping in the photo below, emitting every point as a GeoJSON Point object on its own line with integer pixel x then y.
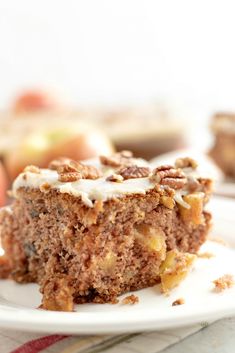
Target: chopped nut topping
{"type": "Point", "coordinates": [32, 169]}
{"type": "Point", "coordinates": [69, 177]}
{"type": "Point", "coordinates": [168, 175]}
{"type": "Point", "coordinates": [224, 282]}
{"type": "Point", "coordinates": [68, 166]}
{"type": "Point", "coordinates": [58, 162]}
{"type": "Point", "coordinates": [130, 299]}
{"type": "Point", "coordinates": [119, 159]}
{"type": "Point", "coordinates": [70, 170]}
{"type": "Point", "coordinates": [179, 301]}
{"type": "Point", "coordinates": [186, 162]}
{"type": "Point", "coordinates": [117, 178]}
{"type": "Point", "coordinates": [90, 172]}
{"type": "Point", "coordinates": [133, 172]}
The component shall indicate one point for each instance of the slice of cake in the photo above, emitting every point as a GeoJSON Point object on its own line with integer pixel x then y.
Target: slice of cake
{"type": "Point", "coordinates": [223, 150]}
{"type": "Point", "coordinates": [88, 232]}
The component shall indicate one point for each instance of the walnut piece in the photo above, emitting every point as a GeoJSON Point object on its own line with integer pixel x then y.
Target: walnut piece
{"type": "Point", "coordinates": [224, 282]}
{"type": "Point", "coordinates": [130, 299]}
{"type": "Point", "coordinates": [118, 159]}
{"type": "Point", "coordinates": [186, 162]}
{"type": "Point", "coordinates": [168, 175]}
{"type": "Point", "coordinates": [133, 172]}
{"type": "Point", "coordinates": [70, 170]}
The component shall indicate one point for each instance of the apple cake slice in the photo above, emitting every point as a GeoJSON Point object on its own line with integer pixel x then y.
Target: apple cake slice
{"type": "Point", "coordinates": [88, 232]}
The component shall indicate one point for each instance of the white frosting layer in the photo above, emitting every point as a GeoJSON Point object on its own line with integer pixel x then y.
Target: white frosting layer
{"type": "Point", "coordinates": [88, 190]}
{"type": "Point", "coordinates": [98, 189]}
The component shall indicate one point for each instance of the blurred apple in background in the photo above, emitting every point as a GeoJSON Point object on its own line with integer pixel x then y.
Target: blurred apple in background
{"type": "Point", "coordinates": [35, 101]}
{"type": "Point", "coordinates": [39, 148]}
{"type": "Point", "coordinates": [38, 128]}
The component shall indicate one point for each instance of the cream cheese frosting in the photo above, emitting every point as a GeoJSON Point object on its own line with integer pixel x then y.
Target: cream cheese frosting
{"type": "Point", "coordinates": [93, 189]}
{"type": "Point", "coordinates": [88, 190]}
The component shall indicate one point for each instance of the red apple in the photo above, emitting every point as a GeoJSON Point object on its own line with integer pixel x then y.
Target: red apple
{"type": "Point", "coordinates": [34, 101]}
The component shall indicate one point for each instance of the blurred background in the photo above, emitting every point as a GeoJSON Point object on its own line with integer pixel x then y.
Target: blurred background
{"type": "Point", "coordinates": [146, 75]}
{"type": "Point", "coordinates": [120, 51]}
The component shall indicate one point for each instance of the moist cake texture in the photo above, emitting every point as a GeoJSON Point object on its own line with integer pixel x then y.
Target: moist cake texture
{"type": "Point", "coordinates": [88, 232]}
{"type": "Point", "coordinates": [223, 150]}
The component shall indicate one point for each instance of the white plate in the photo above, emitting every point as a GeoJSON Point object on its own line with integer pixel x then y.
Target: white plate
{"type": "Point", "coordinates": [154, 311]}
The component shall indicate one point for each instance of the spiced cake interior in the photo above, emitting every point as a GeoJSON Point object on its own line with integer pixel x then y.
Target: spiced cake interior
{"type": "Point", "coordinates": [90, 231]}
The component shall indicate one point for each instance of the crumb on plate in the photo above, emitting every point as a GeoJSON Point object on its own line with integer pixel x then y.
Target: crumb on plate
{"type": "Point", "coordinates": [179, 301]}
{"type": "Point", "coordinates": [224, 282]}
{"type": "Point", "coordinates": [130, 299]}
{"type": "Point", "coordinates": [205, 255]}
{"type": "Point", "coordinates": [218, 240]}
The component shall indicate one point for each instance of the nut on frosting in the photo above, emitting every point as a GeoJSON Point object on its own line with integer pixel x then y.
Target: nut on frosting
{"type": "Point", "coordinates": [70, 170]}
{"type": "Point", "coordinates": [168, 175]}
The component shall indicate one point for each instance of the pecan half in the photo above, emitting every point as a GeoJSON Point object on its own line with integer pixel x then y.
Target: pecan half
{"type": "Point", "coordinates": [90, 172]}
{"type": "Point", "coordinates": [118, 159]}
{"type": "Point", "coordinates": [168, 175]}
{"type": "Point", "coordinates": [132, 172]}
{"type": "Point", "coordinates": [56, 163]}
{"type": "Point", "coordinates": [70, 170]}
{"type": "Point", "coordinates": [69, 177]}
{"type": "Point", "coordinates": [186, 162]}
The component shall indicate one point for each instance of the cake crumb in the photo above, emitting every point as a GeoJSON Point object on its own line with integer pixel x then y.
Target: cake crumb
{"type": "Point", "coordinates": [115, 301]}
{"type": "Point", "coordinates": [130, 299]}
{"type": "Point", "coordinates": [218, 240]}
{"type": "Point", "coordinates": [5, 267]}
{"type": "Point", "coordinates": [224, 282]}
{"type": "Point", "coordinates": [205, 255]}
{"type": "Point", "coordinates": [179, 301]}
